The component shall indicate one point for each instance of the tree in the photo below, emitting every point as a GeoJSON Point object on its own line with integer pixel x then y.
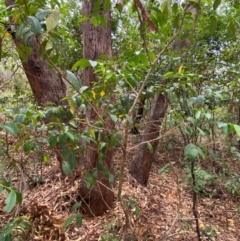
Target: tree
{"type": "Point", "coordinates": [48, 87]}
{"type": "Point", "coordinates": [96, 42]}
{"type": "Point", "coordinates": [141, 165]}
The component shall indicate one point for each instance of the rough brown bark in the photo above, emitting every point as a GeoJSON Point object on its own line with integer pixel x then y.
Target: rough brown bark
{"type": "Point", "coordinates": [96, 42]}
{"type": "Point", "coordinates": [141, 165]}
{"type": "Point", "coordinates": [47, 87]}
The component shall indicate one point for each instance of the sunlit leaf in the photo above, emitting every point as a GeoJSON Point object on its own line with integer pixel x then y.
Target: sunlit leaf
{"type": "Point", "coordinates": [52, 20]}
{"type": "Point", "coordinates": [73, 80]}
{"type": "Point", "coordinates": [83, 63]}
{"type": "Point", "coordinates": [93, 63]}
{"type": "Point", "coordinates": [10, 201]}
{"type": "Point", "coordinates": [46, 158]}
{"type": "Point", "coordinates": [237, 129]}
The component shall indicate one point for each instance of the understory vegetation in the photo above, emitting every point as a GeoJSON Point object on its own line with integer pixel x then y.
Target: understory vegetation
{"type": "Point", "coordinates": [119, 120]}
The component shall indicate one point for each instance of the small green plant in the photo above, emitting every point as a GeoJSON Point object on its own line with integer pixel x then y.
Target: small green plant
{"type": "Point", "coordinates": [77, 216]}
{"type": "Point", "coordinates": [203, 180]}
{"type": "Point", "coordinates": [233, 184]}
{"type": "Point", "coordinates": [166, 169]}
{"type": "Point", "coordinates": [13, 196]}
{"type": "Point", "coordinates": [209, 232]}
{"type": "Point", "coordinates": [109, 237]}
{"type": "Point", "coordinates": [133, 205]}
{"type": "Point", "coordinates": [15, 230]}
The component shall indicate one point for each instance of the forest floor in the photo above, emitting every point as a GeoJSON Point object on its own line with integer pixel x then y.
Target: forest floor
{"type": "Point", "coordinates": [160, 211]}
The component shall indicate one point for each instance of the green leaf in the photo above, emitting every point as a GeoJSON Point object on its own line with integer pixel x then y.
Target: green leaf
{"type": "Point", "coordinates": [52, 141]}
{"type": "Point", "coordinates": [113, 141]}
{"type": "Point", "coordinates": [41, 14]}
{"type": "Point", "coordinates": [119, 7]}
{"type": "Point", "coordinates": [114, 118]}
{"type": "Point", "coordinates": [176, 22]}
{"type": "Point", "coordinates": [19, 118]}
{"type": "Point", "coordinates": [73, 80]}
{"type": "Point", "coordinates": [106, 5]}
{"type": "Point", "coordinates": [75, 206]}
{"type": "Point", "coordinates": [169, 75]}
{"type": "Point", "coordinates": [79, 219]}
{"type": "Point", "coordinates": [93, 63]}
{"type": "Point", "coordinates": [216, 4]}
{"type": "Point", "coordinates": [22, 30]}
{"type": "Point", "coordinates": [19, 197]}
{"type": "Point", "coordinates": [66, 168]}
{"type": "Point", "coordinates": [85, 139]}
{"type": "Point", "coordinates": [237, 129]}
{"type": "Point", "coordinates": [143, 58]}
{"type": "Point", "coordinates": [10, 201]}
{"type": "Point", "coordinates": [83, 63]}
{"type": "Point", "coordinates": [202, 132]}
{"type": "Point", "coordinates": [150, 147]}
{"type": "Point", "coordinates": [192, 120]}
{"type": "Point", "coordinates": [175, 8]}
{"type": "Point", "coordinates": [213, 24]}
{"type": "Point", "coordinates": [191, 151]}
{"type": "Point", "coordinates": [52, 20]}
{"type": "Point", "coordinates": [68, 221]}
{"type": "Point", "coordinates": [231, 30]}
{"type": "Point", "coordinates": [36, 27]}
{"type": "Point", "coordinates": [96, 7]}
{"type": "Point", "coordinates": [70, 135]}
{"type": "Point", "coordinates": [152, 55]}
{"type": "Point", "coordinates": [12, 128]}
{"type": "Point", "coordinates": [198, 114]}
{"type": "Point", "coordinates": [72, 160]}
{"type": "Point", "coordinates": [46, 158]}
{"type": "Point", "coordinates": [129, 119]}
{"type": "Point", "coordinates": [28, 146]}
{"type": "Point", "coordinates": [26, 36]}
{"type": "Point", "coordinates": [188, 130]}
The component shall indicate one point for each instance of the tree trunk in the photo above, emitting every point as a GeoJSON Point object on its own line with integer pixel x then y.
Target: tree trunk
{"type": "Point", "coordinates": [141, 165]}
{"type": "Point", "coordinates": [47, 87]}
{"type": "Point", "coordinates": [96, 41]}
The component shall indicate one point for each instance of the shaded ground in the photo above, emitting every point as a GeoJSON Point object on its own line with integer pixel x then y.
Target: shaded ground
{"type": "Point", "coordinates": [160, 211]}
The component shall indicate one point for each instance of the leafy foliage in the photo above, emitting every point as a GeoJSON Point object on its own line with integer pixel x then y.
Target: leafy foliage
{"type": "Point", "coordinates": [198, 70]}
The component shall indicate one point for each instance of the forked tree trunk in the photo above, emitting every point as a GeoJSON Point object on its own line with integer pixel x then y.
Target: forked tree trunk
{"type": "Point", "coordinates": [96, 42]}
{"type": "Point", "coordinates": [141, 165]}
